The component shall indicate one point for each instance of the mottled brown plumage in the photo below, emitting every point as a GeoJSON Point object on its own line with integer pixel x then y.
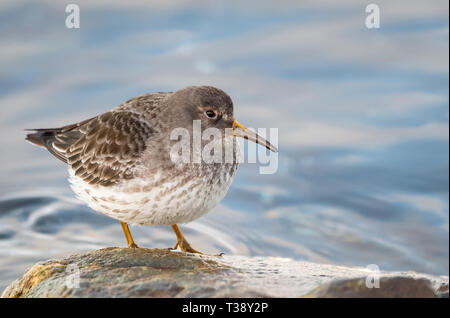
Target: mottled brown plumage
{"type": "Point", "coordinates": [108, 148]}
{"type": "Point", "coordinates": [104, 150]}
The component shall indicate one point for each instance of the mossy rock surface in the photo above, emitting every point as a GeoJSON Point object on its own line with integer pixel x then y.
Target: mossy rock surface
{"type": "Point", "coordinates": [124, 272]}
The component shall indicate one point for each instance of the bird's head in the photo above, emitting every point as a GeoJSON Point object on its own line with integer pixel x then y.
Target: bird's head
{"type": "Point", "coordinates": [213, 108]}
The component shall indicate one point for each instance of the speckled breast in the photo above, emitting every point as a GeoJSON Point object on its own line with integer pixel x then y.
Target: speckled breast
{"type": "Point", "coordinates": [168, 197]}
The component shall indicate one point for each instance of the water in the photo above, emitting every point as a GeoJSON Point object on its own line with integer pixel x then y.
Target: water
{"type": "Point", "coordinates": [362, 117]}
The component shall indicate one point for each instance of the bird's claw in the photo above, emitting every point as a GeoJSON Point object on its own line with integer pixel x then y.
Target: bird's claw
{"type": "Point", "coordinates": [133, 245]}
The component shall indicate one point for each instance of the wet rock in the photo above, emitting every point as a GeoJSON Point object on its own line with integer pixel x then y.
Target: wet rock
{"type": "Point", "coordinates": [123, 272]}
{"type": "Point", "coordinates": [389, 287]}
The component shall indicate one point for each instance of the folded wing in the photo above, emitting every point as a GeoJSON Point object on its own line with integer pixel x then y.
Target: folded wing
{"type": "Point", "coordinates": [103, 150]}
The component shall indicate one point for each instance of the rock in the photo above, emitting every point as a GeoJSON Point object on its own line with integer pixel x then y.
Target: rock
{"type": "Point", "coordinates": [124, 272]}
{"type": "Point", "coordinates": [396, 287]}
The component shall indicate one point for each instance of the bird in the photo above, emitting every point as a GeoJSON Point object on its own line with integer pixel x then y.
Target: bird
{"type": "Point", "coordinates": [120, 162]}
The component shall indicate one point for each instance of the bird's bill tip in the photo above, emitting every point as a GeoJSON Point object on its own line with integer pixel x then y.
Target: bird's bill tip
{"type": "Point", "coordinates": [241, 131]}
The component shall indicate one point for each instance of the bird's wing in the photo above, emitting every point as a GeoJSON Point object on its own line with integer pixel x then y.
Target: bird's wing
{"type": "Point", "coordinates": [103, 150]}
{"type": "Point", "coordinates": [109, 148]}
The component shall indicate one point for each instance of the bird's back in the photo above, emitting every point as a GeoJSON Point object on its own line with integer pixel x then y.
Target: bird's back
{"type": "Point", "coordinates": [104, 149]}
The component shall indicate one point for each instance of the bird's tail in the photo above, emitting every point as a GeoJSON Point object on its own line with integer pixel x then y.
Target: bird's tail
{"type": "Point", "coordinates": [41, 137]}
{"type": "Point", "coordinates": [57, 140]}
{"type": "Point", "coordinates": [45, 138]}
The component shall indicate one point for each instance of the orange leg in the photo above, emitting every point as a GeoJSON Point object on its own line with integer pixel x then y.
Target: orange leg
{"type": "Point", "coordinates": [128, 236]}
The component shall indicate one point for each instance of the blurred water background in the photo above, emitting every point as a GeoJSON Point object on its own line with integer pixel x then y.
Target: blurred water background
{"type": "Point", "coordinates": [362, 114]}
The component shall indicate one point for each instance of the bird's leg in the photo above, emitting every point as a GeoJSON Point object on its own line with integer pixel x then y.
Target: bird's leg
{"type": "Point", "coordinates": [128, 236]}
{"type": "Point", "coordinates": [182, 243]}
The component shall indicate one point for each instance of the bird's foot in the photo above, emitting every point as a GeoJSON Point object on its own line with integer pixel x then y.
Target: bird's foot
{"type": "Point", "coordinates": [133, 245]}
{"type": "Point", "coordinates": [184, 246]}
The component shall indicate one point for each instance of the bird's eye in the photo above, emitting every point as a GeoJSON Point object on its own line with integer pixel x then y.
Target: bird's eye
{"type": "Point", "coordinates": [210, 113]}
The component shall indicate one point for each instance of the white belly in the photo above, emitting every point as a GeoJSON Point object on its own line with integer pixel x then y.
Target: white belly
{"type": "Point", "coordinates": [153, 202]}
